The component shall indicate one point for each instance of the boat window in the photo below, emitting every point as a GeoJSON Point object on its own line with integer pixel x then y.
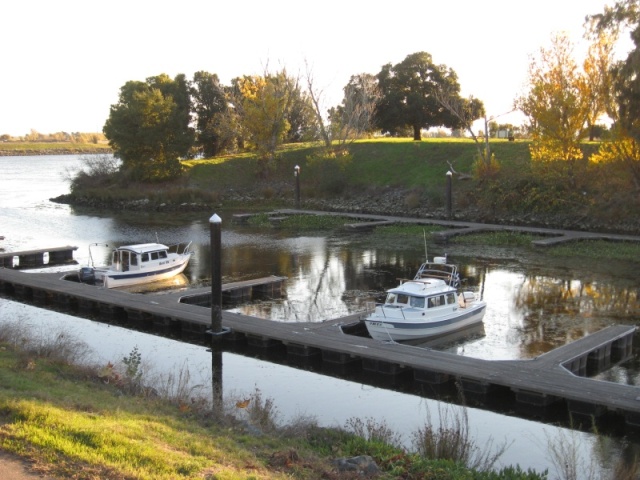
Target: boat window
{"type": "Point", "coordinates": [145, 257]}
{"type": "Point", "coordinates": [451, 298]}
{"type": "Point", "coordinates": [134, 259]}
{"type": "Point", "coordinates": [402, 298]}
{"type": "Point", "coordinates": [417, 302]}
{"type": "Point", "coordinates": [154, 255]}
{"type": "Point", "coordinates": [391, 298]}
{"type": "Point", "coordinates": [436, 301]}
{"type": "Point", "coordinates": [162, 254]}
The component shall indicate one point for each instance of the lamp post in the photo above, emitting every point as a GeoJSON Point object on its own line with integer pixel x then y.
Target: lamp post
{"type": "Point", "coordinates": [449, 194]}
{"type": "Point", "coordinates": [296, 173]}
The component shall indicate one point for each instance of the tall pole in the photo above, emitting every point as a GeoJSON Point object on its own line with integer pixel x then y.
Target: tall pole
{"type": "Point", "coordinates": [449, 195]}
{"type": "Point", "coordinates": [296, 172]}
{"type": "Point", "coordinates": [215, 228]}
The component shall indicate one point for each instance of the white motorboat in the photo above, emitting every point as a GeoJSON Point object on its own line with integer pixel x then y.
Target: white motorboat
{"type": "Point", "coordinates": [425, 307]}
{"type": "Point", "coordinates": [138, 264]}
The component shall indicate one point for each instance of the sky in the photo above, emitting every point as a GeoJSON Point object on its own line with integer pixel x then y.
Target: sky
{"type": "Point", "coordinates": [63, 62]}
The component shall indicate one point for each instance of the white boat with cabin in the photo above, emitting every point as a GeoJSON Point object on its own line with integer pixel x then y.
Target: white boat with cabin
{"type": "Point", "coordinates": [138, 264]}
{"type": "Point", "coordinates": [427, 306]}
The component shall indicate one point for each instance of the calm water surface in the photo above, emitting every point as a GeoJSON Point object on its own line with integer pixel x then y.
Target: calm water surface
{"type": "Point", "coordinates": [535, 303]}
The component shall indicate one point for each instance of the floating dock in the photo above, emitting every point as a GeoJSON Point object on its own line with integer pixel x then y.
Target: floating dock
{"type": "Point", "coordinates": [553, 380]}
{"type": "Point", "coordinates": [37, 258]}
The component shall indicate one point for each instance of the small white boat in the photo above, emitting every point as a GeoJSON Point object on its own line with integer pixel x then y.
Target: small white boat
{"type": "Point", "coordinates": [425, 307]}
{"type": "Point", "coordinates": [138, 264]}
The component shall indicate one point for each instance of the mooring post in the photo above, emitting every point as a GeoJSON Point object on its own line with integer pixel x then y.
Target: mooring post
{"type": "Point", "coordinates": [215, 227]}
{"type": "Point", "coordinates": [448, 194]}
{"type": "Point", "coordinates": [296, 172]}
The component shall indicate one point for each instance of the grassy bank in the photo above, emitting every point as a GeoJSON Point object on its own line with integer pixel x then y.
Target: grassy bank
{"type": "Point", "coordinates": [397, 177]}
{"type": "Point", "coordinates": [51, 148]}
{"type": "Point", "coordinates": [74, 420]}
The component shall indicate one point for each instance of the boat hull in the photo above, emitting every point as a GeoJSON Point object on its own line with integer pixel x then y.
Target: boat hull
{"type": "Point", "coordinates": [113, 279]}
{"type": "Point", "coordinates": [405, 329]}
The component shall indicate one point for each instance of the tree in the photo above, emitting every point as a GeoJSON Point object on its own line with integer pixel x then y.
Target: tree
{"type": "Point", "coordinates": [148, 129]}
{"type": "Point", "coordinates": [624, 14]}
{"type": "Point", "coordinates": [266, 102]}
{"type": "Point", "coordinates": [598, 80]}
{"type": "Point", "coordinates": [624, 96]}
{"type": "Point", "coordinates": [408, 92]}
{"type": "Point", "coordinates": [216, 121]}
{"type": "Point", "coordinates": [466, 111]}
{"type": "Point", "coordinates": [556, 104]}
{"type": "Point", "coordinates": [355, 116]}
{"type": "Point", "coordinates": [316, 97]}
{"type": "Point", "coordinates": [303, 124]}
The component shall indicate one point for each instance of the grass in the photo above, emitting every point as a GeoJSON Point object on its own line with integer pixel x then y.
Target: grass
{"type": "Point", "coordinates": [587, 196]}
{"type": "Point", "coordinates": [53, 147]}
{"type": "Point", "coordinates": [69, 422]}
{"type": "Point", "coordinates": [627, 251]}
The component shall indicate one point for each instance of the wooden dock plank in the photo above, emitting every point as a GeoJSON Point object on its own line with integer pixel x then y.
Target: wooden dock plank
{"type": "Point", "coordinates": [543, 375]}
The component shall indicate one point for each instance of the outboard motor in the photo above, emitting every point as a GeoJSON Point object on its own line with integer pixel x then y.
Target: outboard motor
{"type": "Point", "coordinates": [87, 275]}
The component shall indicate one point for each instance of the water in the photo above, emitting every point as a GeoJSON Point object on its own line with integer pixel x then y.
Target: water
{"type": "Point", "coordinates": [535, 303]}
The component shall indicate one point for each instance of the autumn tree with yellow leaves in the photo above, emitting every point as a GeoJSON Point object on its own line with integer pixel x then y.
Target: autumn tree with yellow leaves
{"type": "Point", "coordinates": [266, 101]}
{"type": "Point", "coordinates": [556, 109]}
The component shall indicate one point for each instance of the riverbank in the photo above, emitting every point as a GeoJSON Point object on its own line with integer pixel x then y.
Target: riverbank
{"type": "Point", "coordinates": [75, 420]}
{"type": "Point", "coordinates": [393, 177]}
{"type": "Point", "coordinates": [22, 149]}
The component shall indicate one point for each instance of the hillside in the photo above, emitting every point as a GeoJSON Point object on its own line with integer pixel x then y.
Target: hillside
{"type": "Point", "coordinates": [398, 177]}
{"type": "Point", "coordinates": [403, 177]}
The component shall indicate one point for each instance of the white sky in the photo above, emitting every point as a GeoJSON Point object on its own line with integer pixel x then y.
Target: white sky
{"type": "Point", "coordinates": [63, 62]}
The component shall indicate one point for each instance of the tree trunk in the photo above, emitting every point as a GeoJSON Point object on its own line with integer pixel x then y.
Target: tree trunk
{"type": "Point", "coordinates": [417, 135]}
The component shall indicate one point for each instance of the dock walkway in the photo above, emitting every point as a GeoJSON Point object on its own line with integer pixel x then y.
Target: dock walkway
{"type": "Point", "coordinates": [549, 379]}
{"type": "Point", "coordinates": [553, 235]}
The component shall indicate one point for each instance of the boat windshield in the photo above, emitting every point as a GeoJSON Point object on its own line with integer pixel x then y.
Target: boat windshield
{"type": "Point", "coordinates": [402, 299]}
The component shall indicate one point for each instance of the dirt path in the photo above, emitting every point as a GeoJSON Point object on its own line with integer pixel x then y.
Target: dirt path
{"type": "Point", "coordinates": [14, 468]}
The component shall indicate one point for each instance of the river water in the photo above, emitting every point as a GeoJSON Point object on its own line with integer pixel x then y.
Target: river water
{"type": "Point", "coordinates": [536, 302]}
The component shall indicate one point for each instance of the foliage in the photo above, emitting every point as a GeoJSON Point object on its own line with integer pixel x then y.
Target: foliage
{"type": "Point", "coordinates": [148, 129]}
{"type": "Point", "coordinates": [409, 95]}
{"type": "Point", "coordinates": [623, 150]}
{"type": "Point", "coordinates": [556, 104]}
{"type": "Point", "coordinates": [373, 430]}
{"type": "Point", "coordinates": [450, 440]}
{"type": "Point", "coordinates": [326, 169]}
{"type": "Point", "coordinates": [485, 169]}
{"type": "Point", "coordinates": [266, 103]}
{"type": "Point", "coordinates": [624, 14]}
{"type": "Point", "coordinates": [96, 171]}
{"type": "Point", "coordinates": [64, 421]}
{"type": "Point", "coordinates": [355, 116]}
{"type": "Point", "coordinates": [216, 123]}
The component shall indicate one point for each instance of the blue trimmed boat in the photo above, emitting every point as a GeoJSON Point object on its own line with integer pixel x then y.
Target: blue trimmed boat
{"type": "Point", "coordinates": [138, 264]}
{"type": "Point", "coordinates": [427, 306]}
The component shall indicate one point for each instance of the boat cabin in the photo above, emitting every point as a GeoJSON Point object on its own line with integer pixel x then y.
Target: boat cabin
{"type": "Point", "coordinates": [134, 257]}
{"type": "Point", "coordinates": [406, 300]}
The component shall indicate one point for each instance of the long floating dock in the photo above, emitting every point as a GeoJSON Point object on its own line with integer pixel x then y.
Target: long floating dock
{"type": "Point", "coordinates": [555, 379]}
{"type": "Point", "coordinates": [456, 228]}
{"type": "Point", "coordinates": [38, 257]}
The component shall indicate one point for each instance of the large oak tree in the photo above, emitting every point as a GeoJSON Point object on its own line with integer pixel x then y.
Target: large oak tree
{"type": "Point", "coordinates": [409, 95]}
{"type": "Point", "coordinates": [148, 129]}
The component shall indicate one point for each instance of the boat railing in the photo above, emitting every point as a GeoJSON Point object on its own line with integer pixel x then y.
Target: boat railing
{"type": "Point", "coordinates": [181, 248]}
{"type": "Point", "coordinates": [384, 314]}
{"type": "Point", "coordinates": [446, 272]}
